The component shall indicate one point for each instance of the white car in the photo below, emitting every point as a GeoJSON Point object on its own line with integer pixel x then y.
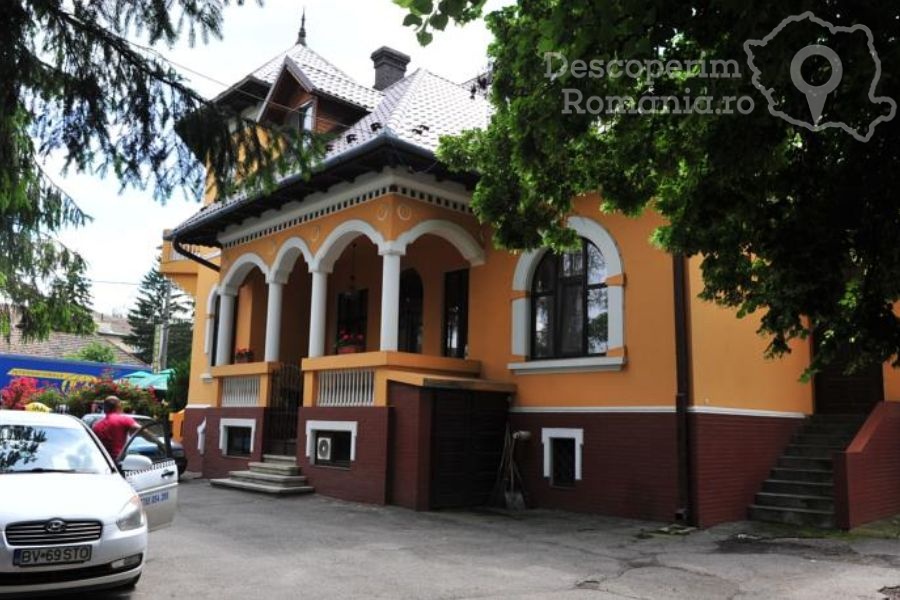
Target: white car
{"type": "Point", "coordinates": [70, 518]}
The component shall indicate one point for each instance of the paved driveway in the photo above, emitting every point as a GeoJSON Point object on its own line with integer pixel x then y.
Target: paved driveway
{"type": "Point", "coordinates": [230, 544]}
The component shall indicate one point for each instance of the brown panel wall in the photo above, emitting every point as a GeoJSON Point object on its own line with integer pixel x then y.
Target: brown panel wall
{"type": "Point", "coordinates": [410, 446]}
{"type": "Point", "coordinates": [867, 474]}
{"type": "Point", "coordinates": [215, 463]}
{"type": "Point", "coordinates": [193, 417]}
{"type": "Point", "coordinates": [629, 466]}
{"type": "Point", "coordinates": [732, 455]}
{"type": "Point", "coordinates": [366, 479]}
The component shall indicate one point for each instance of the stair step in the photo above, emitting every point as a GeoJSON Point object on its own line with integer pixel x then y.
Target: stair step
{"type": "Point", "coordinates": [841, 429]}
{"type": "Point", "coordinates": [802, 462]}
{"type": "Point", "coordinates": [270, 478]}
{"type": "Point", "coordinates": [249, 486]}
{"type": "Point", "coordinates": [778, 500]}
{"type": "Point", "coordinates": [807, 488]}
{"type": "Point", "coordinates": [274, 468]}
{"type": "Point", "coordinates": [812, 475]}
{"type": "Point", "coordinates": [793, 516]}
{"type": "Point", "coordinates": [818, 439]}
{"type": "Point", "coordinates": [280, 459]}
{"type": "Point", "coordinates": [812, 450]}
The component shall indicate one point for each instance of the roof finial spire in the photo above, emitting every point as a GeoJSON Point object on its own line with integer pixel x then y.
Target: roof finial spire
{"type": "Point", "coordinates": [301, 37]}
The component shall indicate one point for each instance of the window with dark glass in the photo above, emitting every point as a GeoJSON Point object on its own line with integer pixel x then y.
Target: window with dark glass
{"type": "Point", "coordinates": [456, 313]}
{"type": "Point", "coordinates": [562, 452]}
{"type": "Point", "coordinates": [352, 316]}
{"type": "Point", "coordinates": [238, 441]}
{"type": "Point", "coordinates": [214, 348]}
{"type": "Point", "coordinates": [409, 337]}
{"type": "Point", "coordinates": [569, 305]}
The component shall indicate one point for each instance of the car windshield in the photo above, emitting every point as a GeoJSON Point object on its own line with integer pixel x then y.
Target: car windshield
{"type": "Point", "coordinates": [40, 449]}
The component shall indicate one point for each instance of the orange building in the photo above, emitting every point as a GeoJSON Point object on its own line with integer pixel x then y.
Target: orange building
{"type": "Point", "coordinates": [359, 326]}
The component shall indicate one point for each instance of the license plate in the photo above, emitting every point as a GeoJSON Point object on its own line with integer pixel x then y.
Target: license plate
{"type": "Point", "coordinates": [61, 555]}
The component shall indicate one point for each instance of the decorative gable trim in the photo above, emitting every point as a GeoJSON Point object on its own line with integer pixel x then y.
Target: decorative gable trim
{"type": "Point", "coordinates": [321, 205]}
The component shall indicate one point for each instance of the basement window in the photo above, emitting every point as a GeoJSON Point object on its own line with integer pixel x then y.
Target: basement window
{"type": "Point", "coordinates": [238, 441]}
{"type": "Point", "coordinates": [333, 448]}
{"type": "Point", "coordinates": [236, 437]}
{"type": "Point", "coordinates": [562, 455]}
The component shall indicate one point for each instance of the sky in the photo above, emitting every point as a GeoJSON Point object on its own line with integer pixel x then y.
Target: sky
{"type": "Point", "coordinates": [120, 244]}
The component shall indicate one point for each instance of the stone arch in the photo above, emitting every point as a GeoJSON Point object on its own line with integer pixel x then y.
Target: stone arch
{"type": "Point", "coordinates": [286, 259]}
{"type": "Point", "coordinates": [455, 234]}
{"type": "Point", "coordinates": [341, 237]}
{"type": "Point", "coordinates": [240, 269]}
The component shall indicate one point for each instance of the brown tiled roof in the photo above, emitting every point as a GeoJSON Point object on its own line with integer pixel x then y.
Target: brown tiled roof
{"type": "Point", "coordinates": [59, 345]}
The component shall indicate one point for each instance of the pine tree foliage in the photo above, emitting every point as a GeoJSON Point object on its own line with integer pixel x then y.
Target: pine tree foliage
{"type": "Point", "coordinates": [150, 311]}
{"type": "Point", "coordinates": [82, 80]}
{"type": "Point", "coordinates": [797, 226]}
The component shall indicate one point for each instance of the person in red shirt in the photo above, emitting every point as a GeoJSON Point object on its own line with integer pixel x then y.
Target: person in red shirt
{"type": "Point", "coordinates": [114, 429]}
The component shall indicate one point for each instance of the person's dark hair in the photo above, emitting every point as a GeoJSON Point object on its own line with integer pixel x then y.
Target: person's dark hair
{"type": "Point", "coordinates": [110, 404]}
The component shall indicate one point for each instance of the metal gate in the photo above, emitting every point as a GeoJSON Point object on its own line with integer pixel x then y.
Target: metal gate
{"type": "Point", "coordinates": [286, 394]}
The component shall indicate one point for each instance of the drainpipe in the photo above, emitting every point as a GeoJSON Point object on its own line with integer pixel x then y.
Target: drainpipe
{"type": "Point", "coordinates": [190, 255]}
{"type": "Point", "coordinates": [683, 393]}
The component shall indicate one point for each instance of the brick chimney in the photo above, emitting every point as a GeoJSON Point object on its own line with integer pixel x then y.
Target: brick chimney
{"type": "Point", "coordinates": [390, 67]}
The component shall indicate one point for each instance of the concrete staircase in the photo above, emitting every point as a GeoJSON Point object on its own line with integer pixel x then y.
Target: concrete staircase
{"type": "Point", "coordinates": [800, 490]}
{"type": "Point", "coordinates": [277, 475]}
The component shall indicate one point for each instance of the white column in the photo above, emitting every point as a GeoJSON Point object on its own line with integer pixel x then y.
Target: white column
{"type": "Point", "coordinates": [317, 313]}
{"type": "Point", "coordinates": [226, 328]}
{"type": "Point", "coordinates": [273, 322]}
{"type": "Point", "coordinates": [390, 299]}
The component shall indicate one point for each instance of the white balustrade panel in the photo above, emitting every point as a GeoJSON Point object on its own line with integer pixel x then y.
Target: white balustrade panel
{"type": "Point", "coordinates": [346, 387]}
{"type": "Point", "coordinates": [240, 391]}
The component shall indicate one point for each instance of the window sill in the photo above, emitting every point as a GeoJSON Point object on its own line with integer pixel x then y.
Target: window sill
{"type": "Point", "coordinates": [568, 365]}
{"type": "Point", "coordinates": [332, 467]}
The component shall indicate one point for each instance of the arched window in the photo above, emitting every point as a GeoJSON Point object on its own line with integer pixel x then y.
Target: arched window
{"type": "Point", "coordinates": [570, 304]}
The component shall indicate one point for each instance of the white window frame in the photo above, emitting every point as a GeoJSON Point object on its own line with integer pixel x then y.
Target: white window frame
{"type": "Point", "coordinates": [551, 433]}
{"type": "Point", "coordinates": [315, 426]}
{"type": "Point", "coordinates": [521, 308]}
{"type": "Point", "coordinates": [224, 424]}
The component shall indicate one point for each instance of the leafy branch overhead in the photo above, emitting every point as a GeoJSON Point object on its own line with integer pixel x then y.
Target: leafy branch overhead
{"type": "Point", "coordinates": [799, 227]}
{"type": "Point", "coordinates": [82, 82]}
{"type": "Point", "coordinates": [428, 14]}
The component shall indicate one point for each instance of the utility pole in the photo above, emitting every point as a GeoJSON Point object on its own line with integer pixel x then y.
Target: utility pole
{"type": "Point", "coordinates": [164, 327]}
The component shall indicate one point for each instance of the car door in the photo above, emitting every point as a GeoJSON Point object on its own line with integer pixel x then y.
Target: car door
{"type": "Point", "coordinates": [157, 485]}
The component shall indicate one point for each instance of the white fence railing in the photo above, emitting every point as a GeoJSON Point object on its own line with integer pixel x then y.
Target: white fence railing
{"type": "Point", "coordinates": [346, 387]}
{"type": "Point", "coordinates": [240, 391]}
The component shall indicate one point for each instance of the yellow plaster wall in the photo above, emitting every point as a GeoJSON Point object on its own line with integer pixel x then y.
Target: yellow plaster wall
{"type": "Point", "coordinates": [250, 316]}
{"type": "Point", "coordinates": [431, 257]}
{"type": "Point", "coordinates": [648, 378]}
{"type": "Point", "coordinates": [202, 390]}
{"type": "Point", "coordinates": [295, 315]}
{"type": "Point", "coordinates": [729, 367]}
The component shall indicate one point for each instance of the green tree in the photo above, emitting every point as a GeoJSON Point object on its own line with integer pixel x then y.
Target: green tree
{"type": "Point", "coordinates": [95, 352]}
{"type": "Point", "coordinates": [150, 310]}
{"type": "Point", "coordinates": [82, 81]}
{"type": "Point", "coordinates": [179, 383]}
{"type": "Point", "coordinates": [796, 225]}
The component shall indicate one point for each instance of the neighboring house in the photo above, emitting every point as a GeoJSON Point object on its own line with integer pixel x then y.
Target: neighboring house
{"type": "Point", "coordinates": [371, 291]}
{"type": "Point", "coordinates": [46, 360]}
{"type": "Point", "coordinates": [114, 329]}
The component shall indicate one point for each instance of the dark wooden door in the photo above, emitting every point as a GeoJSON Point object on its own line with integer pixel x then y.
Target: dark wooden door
{"type": "Point", "coordinates": [467, 444]}
{"type": "Point", "coordinates": [840, 393]}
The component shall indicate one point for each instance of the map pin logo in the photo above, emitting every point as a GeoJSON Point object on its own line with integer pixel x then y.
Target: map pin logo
{"type": "Point", "coordinates": [816, 94]}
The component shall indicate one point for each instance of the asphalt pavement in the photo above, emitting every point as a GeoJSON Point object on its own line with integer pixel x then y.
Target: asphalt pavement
{"type": "Point", "coordinates": [230, 544]}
